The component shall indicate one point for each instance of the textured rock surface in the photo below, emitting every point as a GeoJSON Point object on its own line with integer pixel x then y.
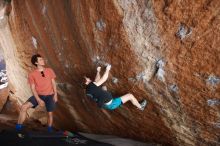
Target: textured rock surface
{"type": "Point", "coordinates": [164, 51]}
{"type": "Point", "coordinates": [4, 97]}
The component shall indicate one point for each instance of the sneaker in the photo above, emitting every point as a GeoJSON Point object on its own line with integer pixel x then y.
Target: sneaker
{"type": "Point", "coordinates": [19, 127]}
{"type": "Point", "coordinates": [143, 104]}
{"type": "Point", "coordinates": [20, 130]}
{"type": "Point", "coordinates": [20, 135]}
{"type": "Point", "coordinates": [49, 129]}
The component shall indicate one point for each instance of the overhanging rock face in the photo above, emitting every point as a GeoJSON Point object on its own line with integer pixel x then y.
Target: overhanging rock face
{"type": "Point", "coordinates": [164, 51]}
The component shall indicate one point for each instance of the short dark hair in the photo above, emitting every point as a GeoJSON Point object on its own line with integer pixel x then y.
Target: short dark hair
{"type": "Point", "coordinates": [34, 59]}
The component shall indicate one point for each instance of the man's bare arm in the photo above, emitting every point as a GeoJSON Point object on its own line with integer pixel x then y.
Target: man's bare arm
{"type": "Point", "coordinates": [55, 90]}
{"type": "Point", "coordinates": [98, 77]}
{"type": "Point", "coordinates": [104, 77]}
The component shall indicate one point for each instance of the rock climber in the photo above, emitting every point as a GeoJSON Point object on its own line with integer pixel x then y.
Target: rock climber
{"type": "Point", "coordinates": [103, 98]}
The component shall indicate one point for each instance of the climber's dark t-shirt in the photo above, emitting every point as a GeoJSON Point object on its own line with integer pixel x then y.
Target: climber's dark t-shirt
{"type": "Point", "coordinates": [98, 94]}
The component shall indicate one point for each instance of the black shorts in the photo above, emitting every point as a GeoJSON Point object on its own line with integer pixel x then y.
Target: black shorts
{"type": "Point", "coordinates": [48, 100]}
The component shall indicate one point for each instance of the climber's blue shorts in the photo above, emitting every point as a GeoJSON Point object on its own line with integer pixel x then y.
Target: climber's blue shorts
{"type": "Point", "coordinates": [48, 100]}
{"type": "Point", "coordinates": [116, 102]}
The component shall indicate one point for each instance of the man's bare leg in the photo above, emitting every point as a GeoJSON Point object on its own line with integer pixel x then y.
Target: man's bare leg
{"type": "Point", "coordinates": [50, 121]}
{"type": "Point", "coordinates": [130, 97]}
{"type": "Point", "coordinates": [23, 115]}
{"type": "Point", "coordinates": [23, 112]}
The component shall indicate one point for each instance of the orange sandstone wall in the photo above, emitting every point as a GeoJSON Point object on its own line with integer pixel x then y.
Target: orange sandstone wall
{"type": "Point", "coordinates": [164, 51]}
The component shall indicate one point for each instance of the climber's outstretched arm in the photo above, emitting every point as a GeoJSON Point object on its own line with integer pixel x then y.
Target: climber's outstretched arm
{"type": "Point", "coordinates": [98, 77]}
{"type": "Point", "coordinates": [104, 77]}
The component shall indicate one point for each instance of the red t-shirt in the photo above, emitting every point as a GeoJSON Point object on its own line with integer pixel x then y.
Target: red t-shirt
{"type": "Point", "coordinates": [43, 85]}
